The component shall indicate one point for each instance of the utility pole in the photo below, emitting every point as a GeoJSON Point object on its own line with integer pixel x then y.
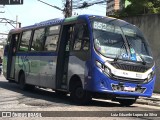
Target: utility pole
{"type": "Point", "coordinates": [17, 21]}
{"type": "Point", "coordinates": [68, 8]}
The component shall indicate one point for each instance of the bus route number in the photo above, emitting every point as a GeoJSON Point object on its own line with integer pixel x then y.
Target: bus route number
{"type": "Point", "coordinates": [100, 26]}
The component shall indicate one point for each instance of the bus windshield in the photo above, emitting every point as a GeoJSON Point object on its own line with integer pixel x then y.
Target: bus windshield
{"type": "Point", "coordinates": [117, 39]}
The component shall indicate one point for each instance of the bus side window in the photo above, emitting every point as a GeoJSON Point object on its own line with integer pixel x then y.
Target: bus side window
{"type": "Point", "coordinates": [51, 43]}
{"type": "Point", "coordinates": [37, 43]}
{"type": "Point", "coordinates": [85, 44]}
{"type": "Point", "coordinates": [24, 43]}
{"type": "Point", "coordinates": [52, 37]}
{"type": "Point", "coordinates": [81, 37]}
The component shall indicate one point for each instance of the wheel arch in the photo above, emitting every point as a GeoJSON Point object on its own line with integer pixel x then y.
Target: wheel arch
{"type": "Point", "coordinates": [74, 79]}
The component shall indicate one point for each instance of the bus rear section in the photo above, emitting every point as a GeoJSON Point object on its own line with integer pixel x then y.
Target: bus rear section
{"type": "Point", "coordinates": [9, 58]}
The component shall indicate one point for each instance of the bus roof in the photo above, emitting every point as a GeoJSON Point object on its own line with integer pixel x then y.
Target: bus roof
{"type": "Point", "coordinates": [36, 25]}
{"type": "Point", "coordinates": [58, 21]}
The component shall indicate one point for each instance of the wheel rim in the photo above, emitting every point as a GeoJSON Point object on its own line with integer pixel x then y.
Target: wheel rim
{"type": "Point", "coordinates": [79, 92]}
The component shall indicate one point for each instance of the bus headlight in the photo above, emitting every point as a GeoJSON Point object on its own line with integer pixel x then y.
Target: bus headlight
{"type": "Point", "coordinates": [104, 69]}
{"type": "Point", "coordinates": [149, 76]}
{"type": "Point", "coordinates": [100, 65]}
{"type": "Point", "coordinates": [107, 71]}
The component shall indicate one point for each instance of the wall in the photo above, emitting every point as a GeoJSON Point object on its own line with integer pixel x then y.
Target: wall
{"type": "Point", "coordinates": [150, 25]}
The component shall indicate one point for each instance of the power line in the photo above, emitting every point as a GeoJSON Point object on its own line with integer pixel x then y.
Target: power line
{"type": "Point", "coordinates": [9, 12]}
{"type": "Point", "coordinates": [103, 5]}
{"type": "Point", "coordinates": [3, 34]}
{"type": "Point", "coordinates": [85, 4]}
{"type": "Point", "coordinates": [96, 10]}
{"type": "Point", "coordinates": [51, 5]}
{"type": "Point", "coordinates": [69, 5]}
{"type": "Point", "coordinates": [11, 22]}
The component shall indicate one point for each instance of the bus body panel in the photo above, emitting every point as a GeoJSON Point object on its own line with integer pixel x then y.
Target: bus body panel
{"type": "Point", "coordinates": [76, 67]}
{"type": "Point", "coordinates": [39, 70]}
{"type": "Point", "coordinates": [5, 66]}
{"type": "Point", "coordinates": [48, 71]}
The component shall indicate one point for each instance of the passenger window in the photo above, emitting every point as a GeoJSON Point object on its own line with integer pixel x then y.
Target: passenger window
{"type": "Point", "coordinates": [52, 38]}
{"type": "Point", "coordinates": [24, 44]}
{"type": "Point", "coordinates": [51, 43]}
{"type": "Point", "coordinates": [37, 43]}
{"type": "Point", "coordinates": [81, 38]}
{"type": "Point", "coordinates": [54, 29]}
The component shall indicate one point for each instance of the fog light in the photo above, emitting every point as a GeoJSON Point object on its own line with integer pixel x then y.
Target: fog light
{"type": "Point", "coordinates": [114, 87]}
{"type": "Point", "coordinates": [102, 84]}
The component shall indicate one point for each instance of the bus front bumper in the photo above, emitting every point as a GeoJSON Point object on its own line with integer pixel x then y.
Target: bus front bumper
{"type": "Point", "coordinates": [100, 83]}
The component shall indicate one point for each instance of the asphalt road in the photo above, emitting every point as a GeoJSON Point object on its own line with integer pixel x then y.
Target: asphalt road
{"type": "Point", "coordinates": [14, 99]}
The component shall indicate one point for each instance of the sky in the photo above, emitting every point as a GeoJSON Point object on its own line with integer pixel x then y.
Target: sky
{"type": "Point", "coordinates": [33, 11]}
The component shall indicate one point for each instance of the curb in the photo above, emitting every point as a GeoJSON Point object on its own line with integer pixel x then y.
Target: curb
{"type": "Point", "coordinates": [149, 101]}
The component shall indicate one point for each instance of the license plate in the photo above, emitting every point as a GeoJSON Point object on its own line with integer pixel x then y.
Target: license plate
{"type": "Point", "coordinates": [129, 89]}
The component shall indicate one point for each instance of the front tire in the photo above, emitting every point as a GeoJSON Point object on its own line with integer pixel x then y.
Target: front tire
{"type": "Point", "coordinates": [126, 102]}
{"type": "Point", "coordinates": [79, 95]}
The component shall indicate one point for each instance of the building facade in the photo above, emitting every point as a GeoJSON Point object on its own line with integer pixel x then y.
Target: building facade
{"type": "Point", "coordinates": [114, 5]}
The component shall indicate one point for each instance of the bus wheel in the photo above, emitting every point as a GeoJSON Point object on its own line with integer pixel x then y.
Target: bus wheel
{"type": "Point", "coordinates": [126, 102]}
{"type": "Point", "coordinates": [80, 96]}
{"type": "Point", "coordinates": [60, 93]}
{"type": "Point", "coordinates": [22, 84]}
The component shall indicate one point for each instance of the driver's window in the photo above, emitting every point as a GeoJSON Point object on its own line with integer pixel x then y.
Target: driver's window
{"type": "Point", "coordinates": [81, 37]}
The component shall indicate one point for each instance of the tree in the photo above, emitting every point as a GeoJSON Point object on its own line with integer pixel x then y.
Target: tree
{"type": "Point", "coordinates": [139, 7]}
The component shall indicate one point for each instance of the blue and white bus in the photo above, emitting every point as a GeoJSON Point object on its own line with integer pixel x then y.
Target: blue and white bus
{"type": "Point", "coordinates": [86, 56]}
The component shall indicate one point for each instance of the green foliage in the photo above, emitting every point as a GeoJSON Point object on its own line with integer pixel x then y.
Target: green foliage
{"type": "Point", "coordinates": [138, 7]}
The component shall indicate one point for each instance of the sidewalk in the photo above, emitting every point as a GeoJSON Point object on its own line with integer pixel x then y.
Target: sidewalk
{"type": "Point", "coordinates": [154, 100]}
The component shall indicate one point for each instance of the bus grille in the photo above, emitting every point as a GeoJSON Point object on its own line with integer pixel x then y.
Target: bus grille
{"type": "Point", "coordinates": [122, 79]}
{"type": "Point", "coordinates": [123, 66]}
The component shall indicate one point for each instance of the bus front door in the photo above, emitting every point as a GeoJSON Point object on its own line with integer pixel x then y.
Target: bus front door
{"type": "Point", "coordinates": [11, 56]}
{"type": "Point", "coordinates": [63, 58]}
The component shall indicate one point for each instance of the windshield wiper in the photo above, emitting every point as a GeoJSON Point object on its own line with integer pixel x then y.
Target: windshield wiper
{"type": "Point", "coordinates": [143, 61]}
{"type": "Point", "coordinates": [120, 51]}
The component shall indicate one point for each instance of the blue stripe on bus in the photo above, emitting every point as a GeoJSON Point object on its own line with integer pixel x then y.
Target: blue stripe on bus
{"type": "Point", "coordinates": [37, 54]}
